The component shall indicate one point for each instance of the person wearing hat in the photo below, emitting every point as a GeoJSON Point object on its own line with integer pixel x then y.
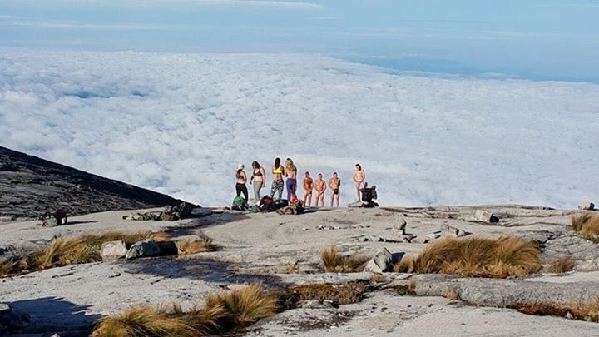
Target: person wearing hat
{"type": "Point", "coordinates": [241, 179]}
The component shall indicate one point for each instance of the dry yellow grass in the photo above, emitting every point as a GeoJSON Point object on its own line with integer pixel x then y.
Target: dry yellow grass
{"type": "Point", "coordinates": [405, 265]}
{"type": "Point", "coordinates": [587, 225]}
{"type": "Point", "coordinates": [475, 257]}
{"type": "Point", "coordinates": [243, 306]}
{"type": "Point", "coordinates": [337, 263]}
{"type": "Point", "coordinates": [346, 293]}
{"type": "Point", "coordinates": [201, 244]}
{"type": "Point", "coordinates": [144, 322]}
{"type": "Point", "coordinates": [562, 265]}
{"type": "Point", "coordinates": [62, 252]}
{"type": "Point", "coordinates": [223, 312]}
{"type": "Point", "coordinates": [579, 310]}
{"type": "Point", "coordinates": [452, 294]}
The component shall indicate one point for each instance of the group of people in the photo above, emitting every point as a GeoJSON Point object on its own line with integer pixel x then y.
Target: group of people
{"type": "Point", "coordinates": [285, 176]}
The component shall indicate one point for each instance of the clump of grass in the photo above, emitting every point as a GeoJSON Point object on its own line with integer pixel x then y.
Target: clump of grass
{"type": "Point", "coordinates": [475, 257]}
{"type": "Point", "coordinates": [62, 252]}
{"type": "Point", "coordinates": [407, 264]}
{"type": "Point", "coordinates": [587, 225]}
{"type": "Point", "coordinates": [202, 243]}
{"type": "Point", "coordinates": [144, 322]}
{"type": "Point", "coordinates": [337, 263]}
{"type": "Point", "coordinates": [562, 265]}
{"type": "Point", "coordinates": [346, 293]}
{"type": "Point", "coordinates": [580, 310]}
{"type": "Point", "coordinates": [377, 278]}
{"type": "Point", "coordinates": [452, 294]}
{"type": "Point", "coordinates": [222, 313]}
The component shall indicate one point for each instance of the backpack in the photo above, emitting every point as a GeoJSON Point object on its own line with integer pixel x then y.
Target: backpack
{"type": "Point", "coordinates": [238, 203]}
{"type": "Point", "coordinates": [267, 204]}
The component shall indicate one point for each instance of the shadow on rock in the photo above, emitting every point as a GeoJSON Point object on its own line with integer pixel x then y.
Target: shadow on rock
{"type": "Point", "coordinates": [53, 314]}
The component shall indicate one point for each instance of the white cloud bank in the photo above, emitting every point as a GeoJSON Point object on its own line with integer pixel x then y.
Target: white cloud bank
{"type": "Point", "coordinates": [181, 123]}
{"type": "Point", "coordinates": [170, 3]}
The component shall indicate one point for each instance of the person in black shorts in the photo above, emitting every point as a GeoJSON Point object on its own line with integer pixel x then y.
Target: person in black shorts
{"type": "Point", "coordinates": [241, 179]}
{"type": "Point", "coordinates": [334, 184]}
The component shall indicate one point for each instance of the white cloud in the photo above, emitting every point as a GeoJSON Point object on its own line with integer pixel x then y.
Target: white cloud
{"type": "Point", "coordinates": [56, 24]}
{"type": "Point", "coordinates": [180, 123]}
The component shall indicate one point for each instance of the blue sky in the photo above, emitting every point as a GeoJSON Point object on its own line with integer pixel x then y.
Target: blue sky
{"type": "Point", "coordinates": [534, 39]}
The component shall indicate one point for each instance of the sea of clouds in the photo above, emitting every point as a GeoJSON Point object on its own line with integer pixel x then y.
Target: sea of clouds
{"type": "Point", "coordinates": [180, 124]}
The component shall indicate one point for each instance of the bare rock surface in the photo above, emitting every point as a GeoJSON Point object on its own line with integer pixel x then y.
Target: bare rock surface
{"type": "Point", "coordinates": [31, 186]}
{"type": "Point", "coordinates": [261, 247]}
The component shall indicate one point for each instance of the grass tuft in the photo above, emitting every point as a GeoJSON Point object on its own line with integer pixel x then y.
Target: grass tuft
{"type": "Point", "coordinates": [222, 313]}
{"type": "Point", "coordinates": [580, 310]}
{"type": "Point", "coordinates": [562, 265]}
{"type": "Point", "coordinates": [337, 263]}
{"type": "Point", "coordinates": [201, 244]}
{"type": "Point", "coordinates": [346, 293]}
{"type": "Point", "coordinates": [475, 257]}
{"type": "Point", "coordinates": [144, 322]}
{"type": "Point", "coordinates": [62, 252]}
{"type": "Point", "coordinates": [587, 225]}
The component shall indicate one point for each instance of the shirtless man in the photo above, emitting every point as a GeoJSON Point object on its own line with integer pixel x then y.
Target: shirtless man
{"type": "Point", "coordinates": [320, 186]}
{"type": "Point", "coordinates": [334, 184]}
{"type": "Point", "coordinates": [359, 178]}
{"type": "Point", "coordinates": [308, 187]}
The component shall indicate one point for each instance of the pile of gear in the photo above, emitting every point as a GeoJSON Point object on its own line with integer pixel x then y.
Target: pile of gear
{"type": "Point", "coordinates": [56, 218]}
{"type": "Point", "coordinates": [170, 213]}
{"type": "Point", "coordinates": [268, 204]}
{"type": "Point", "coordinates": [368, 196]}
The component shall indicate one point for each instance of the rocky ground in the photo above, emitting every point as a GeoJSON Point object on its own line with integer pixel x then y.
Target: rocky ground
{"type": "Point", "coordinates": [30, 187]}
{"type": "Point", "coordinates": [262, 247]}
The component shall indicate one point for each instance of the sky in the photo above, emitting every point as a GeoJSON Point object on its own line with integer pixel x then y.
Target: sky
{"type": "Point", "coordinates": [532, 39]}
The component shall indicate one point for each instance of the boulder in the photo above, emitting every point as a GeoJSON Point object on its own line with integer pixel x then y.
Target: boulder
{"type": "Point", "coordinates": [586, 206]}
{"type": "Point", "coordinates": [358, 204]}
{"type": "Point", "coordinates": [401, 225]}
{"type": "Point", "coordinates": [145, 248]}
{"type": "Point", "coordinates": [380, 263]}
{"type": "Point", "coordinates": [168, 247]}
{"type": "Point", "coordinates": [113, 250]}
{"type": "Point", "coordinates": [485, 216]}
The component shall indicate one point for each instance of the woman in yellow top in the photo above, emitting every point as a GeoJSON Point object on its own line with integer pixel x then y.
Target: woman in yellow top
{"type": "Point", "coordinates": [277, 184]}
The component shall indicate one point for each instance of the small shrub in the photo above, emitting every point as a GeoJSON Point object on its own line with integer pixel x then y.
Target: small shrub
{"type": "Point", "coordinates": [405, 265]}
{"type": "Point", "coordinates": [144, 322]}
{"type": "Point", "coordinates": [587, 225]}
{"type": "Point", "coordinates": [194, 246]}
{"type": "Point", "coordinates": [476, 257]}
{"type": "Point", "coordinates": [243, 306]}
{"type": "Point", "coordinates": [562, 265]}
{"type": "Point", "coordinates": [452, 294]}
{"type": "Point", "coordinates": [337, 263]}
{"type": "Point", "coordinates": [346, 293]}
{"type": "Point", "coordinates": [579, 310]}
{"type": "Point", "coordinates": [62, 252]}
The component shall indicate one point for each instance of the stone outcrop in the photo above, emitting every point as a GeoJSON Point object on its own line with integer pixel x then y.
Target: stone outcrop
{"type": "Point", "coordinates": [31, 187]}
{"type": "Point", "coordinates": [586, 206]}
{"type": "Point", "coordinates": [380, 263]}
{"type": "Point", "coordinates": [113, 250]}
{"type": "Point", "coordinates": [145, 248]}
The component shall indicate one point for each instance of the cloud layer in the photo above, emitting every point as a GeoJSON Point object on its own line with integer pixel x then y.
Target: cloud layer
{"type": "Point", "coordinates": [181, 123]}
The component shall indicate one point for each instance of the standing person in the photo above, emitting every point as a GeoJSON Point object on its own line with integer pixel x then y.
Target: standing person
{"type": "Point", "coordinates": [359, 178]}
{"type": "Point", "coordinates": [291, 173]}
{"type": "Point", "coordinates": [308, 188]}
{"type": "Point", "coordinates": [320, 186]}
{"type": "Point", "coordinates": [334, 184]}
{"type": "Point", "coordinates": [258, 179]}
{"type": "Point", "coordinates": [241, 179]}
{"type": "Point", "coordinates": [277, 184]}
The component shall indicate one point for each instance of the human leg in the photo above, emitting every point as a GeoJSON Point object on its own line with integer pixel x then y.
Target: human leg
{"type": "Point", "coordinates": [257, 187]}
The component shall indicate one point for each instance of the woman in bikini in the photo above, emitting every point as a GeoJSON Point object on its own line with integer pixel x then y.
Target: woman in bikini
{"type": "Point", "coordinates": [277, 184]}
{"type": "Point", "coordinates": [241, 179]}
{"type": "Point", "coordinates": [359, 178]}
{"type": "Point", "coordinates": [291, 173]}
{"type": "Point", "coordinates": [258, 179]}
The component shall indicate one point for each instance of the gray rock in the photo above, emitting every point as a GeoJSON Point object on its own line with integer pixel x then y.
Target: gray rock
{"type": "Point", "coordinates": [4, 308]}
{"type": "Point", "coordinates": [381, 262]}
{"type": "Point", "coordinates": [358, 204]}
{"type": "Point", "coordinates": [113, 250]}
{"type": "Point", "coordinates": [586, 206]}
{"type": "Point", "coordinates": [485, 216]}
{"type": "Point", "coordinates": [145, 248]}
{"type": "Point", "coordinates": [401, 225]}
